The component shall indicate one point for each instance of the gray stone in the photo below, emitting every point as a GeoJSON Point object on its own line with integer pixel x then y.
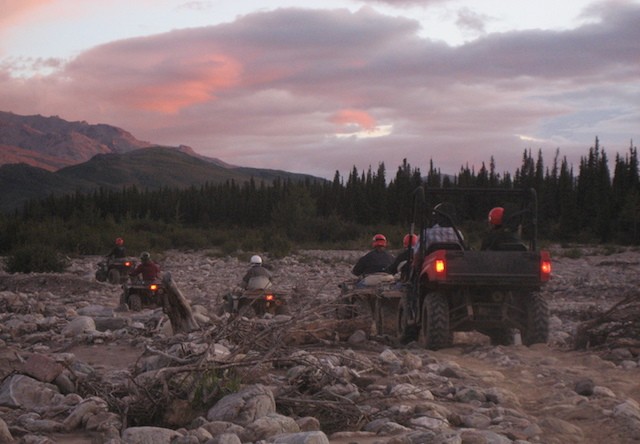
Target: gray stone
{"type": "Point", "coordinates": [149, 435]}
{"type": "Point", "coordinates": [225, 438]}
{"type": "Point", "coordinates": [5, 434]}
{"type": "Point", "coordinates": [269, 425]}
{"type": "Point", "coordinates": [584, 387]}
{"type": "Point", "coordinates": [20, 391]}
{"type": "Point", "coordinates": [315, 437]}
{"type": "Point", "coordinates": [245, 406]}
{"type": "Point", "coordinates": [111, 324]}
{"type": "Point", "coordinates": [42, 368]}
{"type": "Point", "coordinates": [79, 325]}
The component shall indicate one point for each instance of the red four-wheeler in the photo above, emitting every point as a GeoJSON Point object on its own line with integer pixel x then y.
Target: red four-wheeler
{"type": "Point", "coordinates": [455, 288]}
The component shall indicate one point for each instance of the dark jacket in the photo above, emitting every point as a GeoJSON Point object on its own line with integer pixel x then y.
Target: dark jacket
{"type": "Point", "coordinates": [402, 257]}
{"type": "Point", "coordinates": [117, 252]}
{"type": "Point", "coordinates": [375, 261]}
{"type": "Point", "coordinates": [501, 239]}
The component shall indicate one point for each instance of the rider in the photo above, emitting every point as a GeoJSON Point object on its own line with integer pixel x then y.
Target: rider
{"type": "Point", "coordinates": [118, 251]}
{"type": "Point", "coordinates": [401, 261]}
{"type": "Point", "coordinates": [499, 236]}
{"type": "Point", "coordinates": [376, 260]}
{"type": "Point", "coordinates": [150, 270]}
{"type": "Point", "coordinates": [257, 277]}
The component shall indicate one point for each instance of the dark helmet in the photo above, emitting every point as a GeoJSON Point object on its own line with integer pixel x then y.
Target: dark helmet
{"type": "Point", "coordinates": [119, 241]}
{"type": "Point", "coordinates": [379, 240]}
{"type": "Point", "coordinates": [145, 256]}
{"type": "Point", "coordinates": [495, 216]}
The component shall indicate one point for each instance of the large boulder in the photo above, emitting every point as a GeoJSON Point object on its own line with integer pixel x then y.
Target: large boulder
{"type": "Point", "coordinates": [245, 406]}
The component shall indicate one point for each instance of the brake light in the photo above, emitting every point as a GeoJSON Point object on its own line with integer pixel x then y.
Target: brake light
{"type": "Point", "coordinates": [545, 266]}
{"type": "Point", "coordinates": [269, 297]}
{"type": "Point", "coordinates": [153, 287]}
{"type": "Point", "coordinates": [127, 264]}
{"type": "Point", "coordinates": [440, 265]}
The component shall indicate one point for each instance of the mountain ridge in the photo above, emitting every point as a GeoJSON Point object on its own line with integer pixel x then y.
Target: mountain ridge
{"type": "Point", "coordinates": [43, 156]}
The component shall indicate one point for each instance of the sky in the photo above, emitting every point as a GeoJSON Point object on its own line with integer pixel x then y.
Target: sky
{"type": "Point", "coordinates": [323, 86]}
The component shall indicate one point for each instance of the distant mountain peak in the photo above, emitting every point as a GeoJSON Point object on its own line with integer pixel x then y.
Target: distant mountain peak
{"type": "Point", "coordinates": [52, 143]}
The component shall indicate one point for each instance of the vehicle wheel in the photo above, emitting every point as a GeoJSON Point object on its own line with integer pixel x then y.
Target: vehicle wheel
{"type": "Point", "coordinates": [386, 314]}
{"type": "Point", "coordinates": [114, 276]}
{"type": "Point", "coordinates": [135, 302]}
{"type": "Point", "coordinates": [501, 336]}
{"type": "Point", "coordinates": [406, 332]}
{"type": "Point", "coordinates": [101, 276]}
{"type": "Point", "coordinates": [537, 329]}
{"type": "Point", "coordinates": [247, 310]}
{"type": "Point", "coordinates": [434, 332]}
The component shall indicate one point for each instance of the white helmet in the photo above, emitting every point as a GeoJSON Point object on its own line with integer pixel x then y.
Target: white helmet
{"type": "Point", "coordinates": [255, 260]}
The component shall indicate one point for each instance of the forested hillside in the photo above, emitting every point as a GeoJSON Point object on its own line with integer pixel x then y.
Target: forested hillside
{"type": "Point", "coordinates": [590, 204]}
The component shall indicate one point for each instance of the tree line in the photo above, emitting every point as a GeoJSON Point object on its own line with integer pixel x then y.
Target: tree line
{"type": "Point", "coordinates": [587, 205]}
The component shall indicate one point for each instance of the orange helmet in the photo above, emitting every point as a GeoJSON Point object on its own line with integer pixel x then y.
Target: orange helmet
{"type": "Point", "coordinates": [495, 216]}
{"type": "Point", "coordinates": [409, 240]}
{"type": "Point", "coordinates": [379, 241]}
{"type": "Point", "coordinates": [119, 241]}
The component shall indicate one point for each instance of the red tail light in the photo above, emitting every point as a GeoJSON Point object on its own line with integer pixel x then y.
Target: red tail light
{"type": "Point", "coordinates": [441, 266]}
{"type": "Point", "coordinates": [269, 297]}
{"type": "Point", "coordinates": [127, 264]}
{"type": "Point", "coordinates": [545, 266]}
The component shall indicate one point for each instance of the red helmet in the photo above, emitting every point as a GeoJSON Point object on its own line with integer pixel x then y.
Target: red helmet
{"type": "Point", "coordinates": [495, 216]}
{"type": "Point", "coordinates": [119, 241]}
{"type": "Point", "coordinates": [409, 239]}
{"type": "Point", "coordinates": [379, 241]}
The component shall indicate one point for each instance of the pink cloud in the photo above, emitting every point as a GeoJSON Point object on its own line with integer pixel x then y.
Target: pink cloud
{"type": "Point", "coordinates": [15, 10]}
{"type": "Point", "coordinates": [361, 118]}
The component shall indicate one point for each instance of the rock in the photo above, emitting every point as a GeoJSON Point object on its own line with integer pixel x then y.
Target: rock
{"type": "Point", "coordinates": [149, 435]}
{"type": "Point", "coordinates": [5, 434]}
{"type": "Point", "coordinates": [42, 368]}
{"type": "Point", "coordinates": [79, 325]}
{"type": "Point", "coordinates": [269, 425]}
{"type": "Point", "coordinates": [584, 387]}
{"type": "Point", "coordinates": [315, 437]}
{"type": "Point", "coordinates": [245, 406]}
{"type": "Point", "coordinates": [20, 391]}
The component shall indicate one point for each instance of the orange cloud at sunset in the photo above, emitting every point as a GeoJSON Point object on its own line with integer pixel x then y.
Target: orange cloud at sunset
{"type": "Point", "coordinates": [354, 117]}
{"type": "Point", "coordinates": [208, 75]}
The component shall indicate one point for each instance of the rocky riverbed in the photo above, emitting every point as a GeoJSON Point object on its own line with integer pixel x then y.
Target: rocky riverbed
{"type": "Point", "coordinates": [75, 369]}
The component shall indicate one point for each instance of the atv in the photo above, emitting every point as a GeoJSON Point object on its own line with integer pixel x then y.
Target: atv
{"type": "Point", "coordinates": [114, 270]}
{"type": "Point", "coordinates": [360, 298]}
{"type": "Point", "coordinates": [250, 303]}
{"type": "Point", "coordinates": [138, 294]}
{"type": "Point", "coordinates": [454, 288]}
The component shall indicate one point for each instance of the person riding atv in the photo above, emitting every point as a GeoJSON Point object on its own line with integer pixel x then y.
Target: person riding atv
{"type": "Point", "coordinates": [145, 286]}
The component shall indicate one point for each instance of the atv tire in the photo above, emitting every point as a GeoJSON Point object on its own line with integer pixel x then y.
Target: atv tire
{"type": "Point", "coordinates": [406, 332]}
{"type": "Point", "coordinates": [101, 276]}
{"type": "Point", "coordinates": [434, 331]}
{"type": "Point", "coordinates": [537, 329]}
{"type": "Point", "coordinates": [247, 310]}
{"type": "Point", "coordinates": [135, 302]}
{"type": "Point", "coordinates": [386, 316]}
